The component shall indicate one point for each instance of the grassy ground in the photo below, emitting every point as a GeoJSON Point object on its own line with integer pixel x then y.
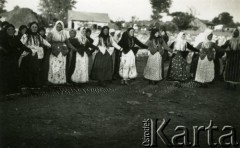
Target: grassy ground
{"type": "Point", "coordinates": [112, 117]}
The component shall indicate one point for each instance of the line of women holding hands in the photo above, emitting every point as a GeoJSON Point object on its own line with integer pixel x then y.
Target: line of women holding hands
{"type": "Point", "coordinates": [32, 59]}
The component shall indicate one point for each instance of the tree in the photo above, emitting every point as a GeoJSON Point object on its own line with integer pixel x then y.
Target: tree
{"type": "Point", "coordinates": [56, 9]}
{"type": "Point", "coordinates": [223, 18]}
{"type": "Point", "coordinates": [159, 6]}
{"type": "Point", "coordinates": [182, 20]}
{"type": "Point", "coordinates": [2, 6]}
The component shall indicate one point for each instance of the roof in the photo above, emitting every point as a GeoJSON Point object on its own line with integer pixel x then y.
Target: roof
{"type": "Point", "coordinates": [88, 16]}
{"type": "Point", "coordinates": [21, 16]}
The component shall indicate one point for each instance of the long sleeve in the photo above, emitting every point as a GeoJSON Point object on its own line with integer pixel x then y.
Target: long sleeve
{"type": "Point", "coordinates": [23, 47]}
{"type": "Point", "coordinates": [172, 45]}
{"type": "Point", "coordinates": [114, 44]}
{"type": "Point", "coordinates": [190, 47]}
{"type": "Point", "coordinates": [140, 44]}
{"type": "Point", "coordinates": [45, 42]}
{"type": "Point", "coordinates": [225, 45]}
{"type": "Point", "coordinates": [166, 47]}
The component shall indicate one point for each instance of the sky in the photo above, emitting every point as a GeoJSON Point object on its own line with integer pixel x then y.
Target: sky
{"type": "Point", "coordinates": [125, 9]}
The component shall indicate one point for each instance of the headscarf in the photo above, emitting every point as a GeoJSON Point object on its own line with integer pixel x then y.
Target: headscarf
{"type": "Point", "coordinates": [42, 29]}
{"type": "Point", "coordinates": [102, 34]}
{"type": "Point", "coordinates": [29, 31]}
{"type": "Point", "coordinates": [21, 28]}
{"type": "Point", "coordinates": [180, 44]}
{"type": "Point", "coordinates": [206, 41]}
{"type": "Point", "coordinates": [6, 27]}
{"type": "Point", "coordinates": [59, 35]}
{"type": "Point", "coordinates": [152, 34]}
{"type": "Point", "coordinates": [82, 37]}
{"type": "Point", "coordinates": [235, 41]}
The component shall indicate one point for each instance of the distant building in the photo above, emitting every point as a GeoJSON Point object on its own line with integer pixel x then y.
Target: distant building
{"type": "Point", "coordinates": [78, 19]}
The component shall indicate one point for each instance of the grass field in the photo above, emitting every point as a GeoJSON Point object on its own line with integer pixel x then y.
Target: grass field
{"type": "Point", "coordinates": [112, 117]}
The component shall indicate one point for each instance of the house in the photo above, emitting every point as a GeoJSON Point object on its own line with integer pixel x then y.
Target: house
{"type": "Point", "coordinates": [78, 19]}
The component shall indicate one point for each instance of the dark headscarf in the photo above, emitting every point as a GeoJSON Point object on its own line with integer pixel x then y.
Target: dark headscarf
{"type": "Point", "coordinates": [102, 34]}
{"type": "Point", "coordinates": [8, 26]}
{"type": "Point", "coordinates": [5, 23]}
{"type": "Point", "coordinates": [42, 29]}
{"type": "Point", "coordinates": [152, 34]}
{"type": "Point", "coordinates": [30, 31]}
{"type": "Point", "coordinates": [20, 30]}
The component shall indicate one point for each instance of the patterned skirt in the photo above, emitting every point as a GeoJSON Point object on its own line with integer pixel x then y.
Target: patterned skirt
{"type": "Point", "coordinates": [153, 69]}
{"type": "Point", "coordinates": [232, 71]}
{"type": "Point", "coordinates": [128, 68]}
{"type": "Point", "coordinates": [178, 69]}
{"type": "Point", "coordinates": [57, 69]}
{"type": "Point", "coordinates": [205, 71]}
{"type": "Point", "coordinates": [80, 74]}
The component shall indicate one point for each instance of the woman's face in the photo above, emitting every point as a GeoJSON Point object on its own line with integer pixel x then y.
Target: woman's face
{"type": "Point", "coordinates": [84, 31]}
{"type": "Point", "coordinates": [10, 31]}
{"type": "Point", "coordinates": [184, 36]}
{"type": "Point", "coordinates": [131, 32]}
{"type": "Point", "coordinates": [42, 32]}
{"type": "Point", "coordinates": [236, 33]}
{"type": "Point", "coordinates": [105, 31]}
{"type": "Point", "coordinates": [34, 28]}
{"type": "Point", "coordinates": [72, 34]}
{"type": "Point", "coordinates": [24, 30]}
{"type": "Point", "coordinates": [156, 34]}
{"type": "Point", "coordinates": [210, 36]}
{"type": "Point", "coordinates": [59, 27]}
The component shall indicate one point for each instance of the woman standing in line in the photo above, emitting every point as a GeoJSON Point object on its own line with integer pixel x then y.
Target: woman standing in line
{"type": "Point", "coordinates": [156, 45]}
{"type": "Point", "coordinates": [116, 62]}
{"type": "Point", "coordinates": [128, 68]}
{"type": "Point", "coordinates": [58, 38]}
{"type": "Point", "coordinates": [178, 64]}
{"type": "Point", "coordinates": [103, 64]}
{"type": "Point", "coordinates": [205, 69]}
{"type": "Point", "coordinates": [232, 71]}
{"type": "Point", "coordinates": [32, 63]}
{"type": "Point", "coordinates": [80, 58]}
{"type": "Point", "coordinates": [10, 50]}
{"type": "Point", "coordinates": [22, 30]}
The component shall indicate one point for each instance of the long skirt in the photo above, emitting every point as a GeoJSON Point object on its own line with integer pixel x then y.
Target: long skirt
{"type": "Point", "coordinates": [9, 75]}
{"type": "Point", "coordinates": [128, 68]}
{"type": "Point", "coordinates": [80, 74]}
{"type": "Point", "coordinates": [178, 68]}
{"type": "Point", "coordinates": [31, 70]}
{"type": "Point", "coordinates": [57, 69]}
{"type": "Point", "coordinates": [232, 71]}
{"type": "Point", "coordinates": [102, 67]}
{"type": "Point", "coordinates": [153, 69]}
{"type": "Point", "coordinates": [205, 71]}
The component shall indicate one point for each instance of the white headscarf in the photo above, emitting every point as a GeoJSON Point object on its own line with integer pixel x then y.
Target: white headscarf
{"type": "Point", "coordinates": [206, 41]}
{"type": "Point", "coordinates": [59, 35]}
{"type": "Point", "coordinates": [180, 43]}
{"type": "Point", "coordinates": [82, 37]}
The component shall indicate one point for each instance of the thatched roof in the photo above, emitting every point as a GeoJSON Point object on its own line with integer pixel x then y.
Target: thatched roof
{"type": "Point", "coordinates": [88, 17]}
{"type": "Point", "coordinates": [21, 16]}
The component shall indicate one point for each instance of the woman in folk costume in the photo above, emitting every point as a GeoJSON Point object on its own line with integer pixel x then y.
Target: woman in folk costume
{"type": "Point", "coordinates": [178, 65]}
{"type": "Point", "coordinates": [102, 69]}
{"type": "Point", "coordinates": [127, 68]}
{"type": "Point", "coordinates": [80, 58]}
{"type": "Point", "coordinates": [58, 38]}
{"type": "Point", "coordinates": [205, 68]}
{"type": "Point", "coordinates": [232, 70]}
{"type": "Point", "coordinates": [156, 46]}
{"type": "Point", "coordinates": [32, 63]}
{"type": "Point", "coordinates": [10, 50]}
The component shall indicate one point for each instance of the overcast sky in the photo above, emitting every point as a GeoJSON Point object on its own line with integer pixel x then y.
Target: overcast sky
{"type": "Point", "coordinates": [204, 9]}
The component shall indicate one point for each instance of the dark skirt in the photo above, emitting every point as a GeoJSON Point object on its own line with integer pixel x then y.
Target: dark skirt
{"type": "Point", "coordinates": [9, 75]}
{"type": "Point", "coordinates": [45, 65]}
{"type": "Point", "coordinates": [178, 68]}
{"type": "Point", "coordinates": [31, 70]}
{"type": "Point", "coordinates": [232, 71]}
{"type": "Point", "coordinates": [102, 67]}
